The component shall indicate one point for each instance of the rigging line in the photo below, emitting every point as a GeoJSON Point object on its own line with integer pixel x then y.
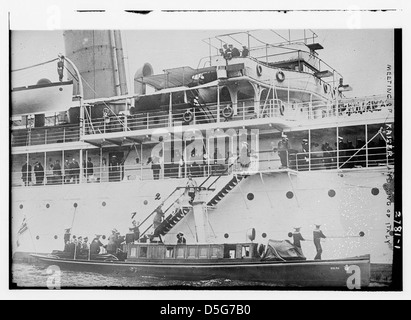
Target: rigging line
{"type": "Point", "coordinates": [74, 77]}
{"type": "Point", "coordinates": [35, 65]}
{"type": "Point", "coordinates": [108, 107]}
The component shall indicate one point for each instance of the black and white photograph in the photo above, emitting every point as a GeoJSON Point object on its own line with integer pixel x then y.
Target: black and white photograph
{"type": "Point", "coordinates": [219, 157]}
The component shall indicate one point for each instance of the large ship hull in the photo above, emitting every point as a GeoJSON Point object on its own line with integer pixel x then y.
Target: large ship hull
{"type": "Point", "coordinates": [345, 203]}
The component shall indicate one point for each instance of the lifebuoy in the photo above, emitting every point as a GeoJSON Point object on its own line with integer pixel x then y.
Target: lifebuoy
{"type": "Point", "coordinates": [259, 70]}
{"type": "Point", "coordinates": [282, 109]}
{"type": "Point", "coordinates": [228, 112]}
{"type": "Point", "coordinates": [280, 76]}
{"type": "Point", "coordinates": [188, 116]}
{"type": "Point", "coordinates": [325, 86]}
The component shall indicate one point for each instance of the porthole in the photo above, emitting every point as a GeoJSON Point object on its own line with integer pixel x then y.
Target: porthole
{"type": "Point", "coordinates": [331, 193]}
{"type": "Point", "coordinates": [47, 205]}
{"type": "Point", "coordinates": [21, 206]}
{"type": "Point", "coordinates": [103, 203]}
{"type": "Point", "coordinates": [264, 235]}
{"type": "Point", "coordinates": [56, 237]}
{"type": "Point", "coordinates": [145, 202]}
{"type": "Point", "coordinates": [75, 205]}
{"type": "Point", "coordinates": [289, 195]}
{"type": "Point", "coordinates": [250, 196]}
{"type": "Point", "coordinates": [226, 235]}
{"type": "Point", "coordinates": [375, 191]}
{"type": "Point", "coordinates": [37, 237]}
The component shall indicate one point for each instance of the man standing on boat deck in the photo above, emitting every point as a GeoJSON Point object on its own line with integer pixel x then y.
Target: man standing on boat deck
{"type": "Point", "coordinates": [317, 235]}
{"type": "Point", "coordinates": [89, 169]}
{"type": "Point", "coordinates": [191, 188]}
{"type": "Point", "coordinates": [136, 231]}
{"type": "Point", "coordinates": [57, 172]}
{"type": "Point", "coordinates": [112, 242]}
{"type": "Point", "coordinates": [297, 237]}
{"type": "Point", "coordinates": [283, 151]}
{"type": "Point", "coordinates": [180, 238]}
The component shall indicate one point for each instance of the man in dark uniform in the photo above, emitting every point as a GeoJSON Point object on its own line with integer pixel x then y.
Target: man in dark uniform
{"type": "Point", "coordinates": [26, 174]}
{"type": "Point", "coordinates": [89, 169]}
{"type": "Point", "coordinates": [234, 51]}
{"type": "Point", "coordinates": [245, 52]}
{"type": "Point", "coordinates": [39, 173]}
{"type": "Point", "coordinates": [283, 151]}
{"type": "Point", "coordinates": [67, 236]}
{"type": "Point", "coordinates": [95, 245]}
{"type": "Point", "coordinates": [305, 157]}
{"type": "Point", "coordinates": [297, 238]}
{"type": "Point", "coordinates": [135, 229]}
{"type": "Point", "coordinates": [180, 238]}
{"type": "Point", "coordinates": [57, 172]}
{"type": "Point", "coordinates": [317, 235]}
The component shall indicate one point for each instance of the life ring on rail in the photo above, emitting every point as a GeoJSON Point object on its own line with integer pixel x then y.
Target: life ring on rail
{"type": "Point", "coordinates": [282, 108]}
{"type": "Point", "coordinates": [188, 116]}
{"type": "Point", "coordinates": [325, 86]}
{"type": "Point", "coordinates": [280, 76]}
{"type": "Point", "coordinates": [228, 112]}
{"type": "Point", "coordinates": [259, 69]}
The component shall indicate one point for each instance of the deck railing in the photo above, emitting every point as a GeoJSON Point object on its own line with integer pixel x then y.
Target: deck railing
{"type": "Point", "coordinates": [44, 135]}
{"type": "Point", "coordinates": [263, 161]}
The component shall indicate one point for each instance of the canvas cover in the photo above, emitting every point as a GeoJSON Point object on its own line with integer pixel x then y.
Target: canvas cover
{"type": "Point", "coordinates": [281, 250]}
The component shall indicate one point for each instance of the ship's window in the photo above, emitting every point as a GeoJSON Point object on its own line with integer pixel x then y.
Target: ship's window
{"type": "Point", "coordinates": [191, 252]}
{"type": "Point", "coordinates": [250, 196]}
{"type": "Point", "coordinates": [103, 203]}
{"type": "Point", "coordinates": [203, 252]}
{"type": "Point", "coordinates": [143, 252]}
{"type": "Point", "coordinates": [75, 205]}
{"type": "Point", "coordinates": [170, 252]}
{"type": "Point", "coordinates": [322, 149]}
{"type": "Point", "coordinates": [264, 235]}
{"type": "Point", "coordinates": [245, 252]}
{"type": "Point", "coordinates": [289, 195]}
{"type": "Point", "coordinates": [47, 206]}
{"type": "Point", "coordinates": [331, 193]}
{"type": "Point", "coordinates": [226, 235]}
{"type": "Point", "coordinates": [215, 252]}
{"type": "Point", "coordinates": [375, 191]}
{"type": "Point", "coordinates": [56, 237]}
{"type": "Point", "coordinates": [38, 237]}
{"type": "Point", "coordinates": [133, 252]}
{"type": "Point", "coordinates": [21, 206]}
{"type": "Point", "coordinates": [351, 140]}
{"type": "Point", "coordinates": [229, 251]}
{"type": "Point", "coordinates": [180, 252]}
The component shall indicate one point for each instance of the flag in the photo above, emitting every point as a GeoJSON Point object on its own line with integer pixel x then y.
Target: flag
{"type": "Point", "coordinates": [23, 227]}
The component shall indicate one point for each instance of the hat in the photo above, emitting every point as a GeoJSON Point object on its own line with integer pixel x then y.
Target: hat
{"type": "Point", "coordinates": [180, 233]}
{"type": "Point", "coordinates": [283, 135]}
{"type": "Point", "coordinates": [297, 228]}
{"type": "Point", "coordinates": [317, 225]}
{"type": "Point", "coordinates": [340, 138]}
{"type": "Point", "coordinates": [225, 45]}
{"type": "Point", "coordinates": [114, 230]}
{"type": "Point", "coordinates": [244, 46]}
{"type": "Point", "coordinates": [86, 238]}
{"type": "Point", "coordinates": [305, 140]}
{"type": "Point", "coordinates": [80, 237]}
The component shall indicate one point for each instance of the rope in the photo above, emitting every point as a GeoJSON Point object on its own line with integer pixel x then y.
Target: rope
{"type": "Point", "coordinates": [35, 65]}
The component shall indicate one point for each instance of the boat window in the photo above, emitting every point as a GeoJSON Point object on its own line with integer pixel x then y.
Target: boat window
{"type": "Point", "coordinates": [296, 156]}
{"type": "Point", "coordinates": [143, 252]}
{"type": "Point", "coordinates": [245, 253]}
{"type": "Point", "coordinates": [191, 252]}
{"type": "Point", "coordinates": [180, 252]}
{"type": "Point", "coordinates": [229, 251]}
{"type": "Point", "coordinates": [133, 252]}
{"type": "Point", "coordinates": [203, 252]}
{"type": "Point", "coordinates": [170, 252]}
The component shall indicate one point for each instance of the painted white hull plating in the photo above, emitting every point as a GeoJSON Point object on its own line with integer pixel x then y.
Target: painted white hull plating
{"type": "Point", "coordinates": [102, 207]}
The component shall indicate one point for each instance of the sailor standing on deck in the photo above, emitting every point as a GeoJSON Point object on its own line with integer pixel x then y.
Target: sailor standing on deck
{"type": "Point", "coordinates": [191, 188]}
{"type": "Point", "coordinates": [317, 235]}
{"type": "Point", "coordinates": [297, 238]}
{"type": "Point", "coordinates": [283, 151]}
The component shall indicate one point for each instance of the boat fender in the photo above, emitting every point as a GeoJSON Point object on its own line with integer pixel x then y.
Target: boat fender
{"type": "Point", "coordinates": [282, 109]}
{"type": "Point", "coordinates": [228, 112]}
{"type": "Point", "coordinates": [259, 70]}
{"type": "Point", "coordinates": [188, 116]}
{"type": "Point", "coordinates": [280, 76]}
{"type": "Point", "coordinates": [251, 234]}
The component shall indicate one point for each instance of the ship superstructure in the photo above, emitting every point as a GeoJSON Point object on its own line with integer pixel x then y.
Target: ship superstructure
{"type": "Point", "coordinates": [122, 156]}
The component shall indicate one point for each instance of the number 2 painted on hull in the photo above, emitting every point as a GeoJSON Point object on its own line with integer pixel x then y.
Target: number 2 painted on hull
{"type": "Point", "coordinates": [354, 280]}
